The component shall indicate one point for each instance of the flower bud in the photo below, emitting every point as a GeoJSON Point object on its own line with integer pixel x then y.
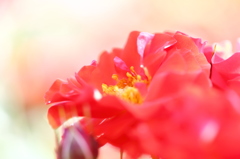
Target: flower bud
{"type": "Point", "coordinates": [77, 144]}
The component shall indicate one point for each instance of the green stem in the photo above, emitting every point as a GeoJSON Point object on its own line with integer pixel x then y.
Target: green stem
{"type": "Point", "coordinates": [56, 138]}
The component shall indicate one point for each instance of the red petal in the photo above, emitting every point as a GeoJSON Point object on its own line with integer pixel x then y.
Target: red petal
{"type": "Point", "coordinates": [142, 41]}
{"type": "Point", "coordinates": [146, 138]}
{"type": "Point", "coordinates": [58, 91]}
{"type": "Point", "coordinates": [102, 73]}
{"type": "Point", "coordinates": [174, 63]}
{"type": "Point", "coordinates": [142, 88]}
{"type": "Point", "coordinates": [153, 61]}
{"type": "Point", "coordinates": [104, 108]}
{"type": "Point", "coordinates": [52, 90]}
{"type": "Point", "coordinates": [235, 84]}
{"type": "Point", "coordinates": [208, 52]}
{"type": "Point", "coordinates": [107, 68]}
{"type": "Point", "coordinates": [121, 123]}
{"type": "Point", "coordinates": [230, 67]}
{"type": "Point", "coordinates": [87, 73]}
{"type": "Point", "coordinates": [121, 67]}
{"type": "Point", "coordinates": [187, 43]}
{"type": "Point", "coordinates": [159, 43]}
{"type": "Point", "coordinates": [130, 53]}
{"type": "Point", "coordinates": [171, 84]}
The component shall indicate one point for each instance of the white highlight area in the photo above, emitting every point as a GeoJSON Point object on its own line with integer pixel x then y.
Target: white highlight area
{"type": "Point", "coordinates": [97, 95]}
{"type": "Point", "coordinates": [209, 131]}
{"type": "Point", "coordinates": [143, 39]}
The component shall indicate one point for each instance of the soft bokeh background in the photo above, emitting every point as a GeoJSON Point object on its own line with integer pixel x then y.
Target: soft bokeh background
{"type": "Point", "coordinates": [41, 40]}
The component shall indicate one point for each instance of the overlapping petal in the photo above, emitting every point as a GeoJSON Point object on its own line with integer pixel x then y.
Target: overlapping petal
{"type": "Point", "coordinates": [225, 71]}
{"type": "Point", "coordinates": [193, 125]}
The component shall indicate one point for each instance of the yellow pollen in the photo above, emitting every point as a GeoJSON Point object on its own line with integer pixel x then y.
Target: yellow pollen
{"type": "Point", "coordinates": [125, 89]}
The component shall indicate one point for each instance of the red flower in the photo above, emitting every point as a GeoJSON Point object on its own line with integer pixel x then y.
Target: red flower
{"type": "Point", "coordinates": [129, 86]}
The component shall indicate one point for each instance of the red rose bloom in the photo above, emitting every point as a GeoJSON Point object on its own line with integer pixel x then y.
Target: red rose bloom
{"type": "Point", "coordinates": [153, 96]}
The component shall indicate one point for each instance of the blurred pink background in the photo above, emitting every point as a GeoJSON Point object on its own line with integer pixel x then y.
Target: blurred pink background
{"type": "Point", "coordinates": [41, 40]}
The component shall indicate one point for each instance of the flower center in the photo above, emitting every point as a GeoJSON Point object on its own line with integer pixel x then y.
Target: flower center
{"type": "Point", "coordinates": [125, 88]}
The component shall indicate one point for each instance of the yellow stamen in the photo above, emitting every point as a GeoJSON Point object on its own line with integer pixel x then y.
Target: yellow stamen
{"type": "Point", "coordinates": [214, 49]}
{"type": "Point", "coordinates": [125, 87]}
{"type": "Point", "coordinates": [147, 73]}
